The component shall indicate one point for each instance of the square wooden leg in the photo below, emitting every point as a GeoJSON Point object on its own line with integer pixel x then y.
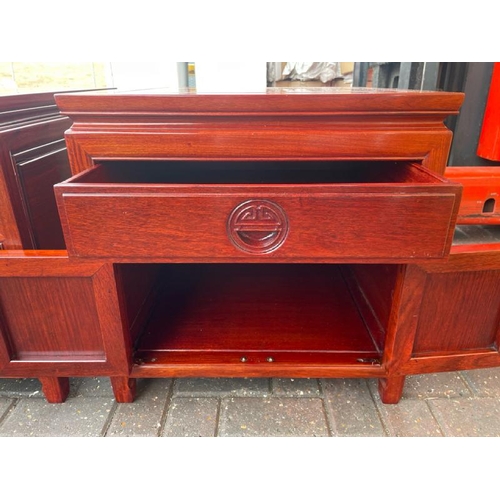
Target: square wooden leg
{"type": "Point", "coordinates": [124, 389]}
{"type": "Point", "coordinates": [55, 389]}
{"type": "Point", "coordinates": [391, 389]}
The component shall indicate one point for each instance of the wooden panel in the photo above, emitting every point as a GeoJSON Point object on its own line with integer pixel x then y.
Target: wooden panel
{"type": "Point", "coordinates": [21, 107]}
{"type": "Point", "coordinates": [138, 285]}
{"type": "Point", "coordinates": [51, 318]}
{"type": "Point", "coordinates": [460, 312]}
{"type": "Point", "coordinates": [321, 225]}
{"type": "Point", "coordinates": [452, 361]}
{"type": "Point", "coordinates": [19, 144]}
{"type": "Point", "coordinates": [37, 176]}
{"type": "Point", "coordinates": [231, 143]}
{"type": "Point", "coordinates": [59, 317]}
{"type": "Point", "coordinates": [377, 284]}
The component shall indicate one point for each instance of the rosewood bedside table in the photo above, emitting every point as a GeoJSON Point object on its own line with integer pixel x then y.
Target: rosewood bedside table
{"type": "Point", "coordinates": [282, 234]}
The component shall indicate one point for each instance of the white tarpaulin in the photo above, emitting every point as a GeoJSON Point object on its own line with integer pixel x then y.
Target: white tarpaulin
{"type": "Point", "coordinates": [303, 71]}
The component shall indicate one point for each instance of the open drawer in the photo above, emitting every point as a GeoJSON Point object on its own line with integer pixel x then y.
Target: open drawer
{"type": "Point", "coordinates": [180, 211]}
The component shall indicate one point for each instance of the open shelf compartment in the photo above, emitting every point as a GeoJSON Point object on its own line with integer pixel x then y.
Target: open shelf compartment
{"type": "Point", "coordinates": [255, 320]}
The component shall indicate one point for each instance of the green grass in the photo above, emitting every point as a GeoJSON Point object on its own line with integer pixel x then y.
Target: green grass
{"type": "Point", "coordinates": [39, 77]}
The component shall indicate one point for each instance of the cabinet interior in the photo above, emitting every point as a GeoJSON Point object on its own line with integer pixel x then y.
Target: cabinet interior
{"type": "Point", "coordinates": [255, 313]}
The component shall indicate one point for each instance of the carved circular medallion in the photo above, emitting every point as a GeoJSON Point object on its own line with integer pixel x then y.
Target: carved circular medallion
{"type": "Point", "coordinates": [257, 226]}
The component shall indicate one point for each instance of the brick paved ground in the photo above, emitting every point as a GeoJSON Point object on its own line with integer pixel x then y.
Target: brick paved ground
{"type": "Point", "coordinates": [446, 404]}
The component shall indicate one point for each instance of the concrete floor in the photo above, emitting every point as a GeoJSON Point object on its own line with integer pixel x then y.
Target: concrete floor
{"type": "Point", "coordinates": [445, 404]}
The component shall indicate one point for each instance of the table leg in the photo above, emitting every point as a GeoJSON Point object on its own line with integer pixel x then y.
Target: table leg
{"type": "Point", "coordinates": [124, 389]}
{"type": "Point", "coordinates": [391, 389]}
{"type": "Point", "coordinates": [55, 389]}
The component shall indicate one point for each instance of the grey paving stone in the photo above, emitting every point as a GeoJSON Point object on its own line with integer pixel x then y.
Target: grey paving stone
{"type": "Point", "coordinates": [298, 387]}
{"type": "Point", "coordinates": [272, 417]}
{"type": "Point", "coordinates": [484, 382]}
{"type": "Point", "coordinates": [468, 417]}
{"type": "Point", "coordinates": [21, 387]}
{"type": "Point", "coordinates": [86, 417]}
{"type": "Point", "coordinates": [214, 387]}
{"type": "Point", "coordinates": [94, 387]}
{"type": "Point", "coordinates": [192, 417]}
{"type": "Point", "coordinates": [352, 409]}
{"type": "Point", "coordinates": [435, 385]}
{"type": "Point", "coordinates": [143, 417]}
{"type": "Point", "coordinates": [5, 404]}
{"type": "Point", "coordinates": [29, 387]}
{"type": "Point", "coordinates": [408, 418]}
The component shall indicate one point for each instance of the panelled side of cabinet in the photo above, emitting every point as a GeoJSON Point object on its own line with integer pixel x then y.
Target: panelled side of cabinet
{"type": "Point", "coordinates": [459, 318]}
{"type": "Point", "coordinates": [59, 318]}
{"type": "Point", "coordinates": [32, 159]}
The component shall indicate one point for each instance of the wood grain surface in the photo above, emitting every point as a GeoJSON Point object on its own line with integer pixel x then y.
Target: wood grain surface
{"type": "Point", "coordinates": [413, 208]}
{"type": "Point", "coordinates": [157, 177]}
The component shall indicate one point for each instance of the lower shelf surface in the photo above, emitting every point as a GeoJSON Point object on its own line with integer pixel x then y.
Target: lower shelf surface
{"type": "Point", "coordinates": [227, 315]}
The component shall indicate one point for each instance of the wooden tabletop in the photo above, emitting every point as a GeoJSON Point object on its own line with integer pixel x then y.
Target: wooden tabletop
{"type": "Point", "coordinates": [310, 100]}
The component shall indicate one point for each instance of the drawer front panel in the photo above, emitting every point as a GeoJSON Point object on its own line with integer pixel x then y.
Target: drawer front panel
{"type": "Point", "coordinates": [215, 225]}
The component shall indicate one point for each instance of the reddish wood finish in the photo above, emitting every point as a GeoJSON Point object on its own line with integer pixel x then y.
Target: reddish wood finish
{"type": "Point", "coordinates": [350, 173]}
{"type": "Point", "coordinates": [138, 287]}
{"type": "Point", "coordinates": [281, 124]}
{"type": "Point", "coordinates": [323, 221]}
{"type": "Point", "coordinates": [55, 389]}
{"type": "Point", "coordinates": [124, 389]}
{"type": "Point", "coordinates": [295, 365]}
{"type": "Point", "coordinates": [401, 329]}
{"type": "Point", "coordinates": [31, 161]}
{"type": "Point", "coordinates": [481, 194]}
{"type": "Point", "coordinates": [59, 317]}
{"type": "Point", "coordinates": [121, 107]}
{"type": "Point", "coordinates": [24, 107]}
{"type": "Point", "coordinates": [38, 170]}
{"type": "Point", "coordinates": [459, 317]}
{"type": "Point", "coordinates": [403, 320]}
{"type": "Point", "coordinates": [375, 285]}
{"type": "Point", "coordinates": [391, 389]}
{"type": "Point", "coordinates": [474, 295]}
{"type": "Point", "coordinates": [241, 319]}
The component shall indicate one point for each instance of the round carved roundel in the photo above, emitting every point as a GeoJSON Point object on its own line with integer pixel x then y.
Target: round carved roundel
{"type": "Point", "coordinates": [257, 226]}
